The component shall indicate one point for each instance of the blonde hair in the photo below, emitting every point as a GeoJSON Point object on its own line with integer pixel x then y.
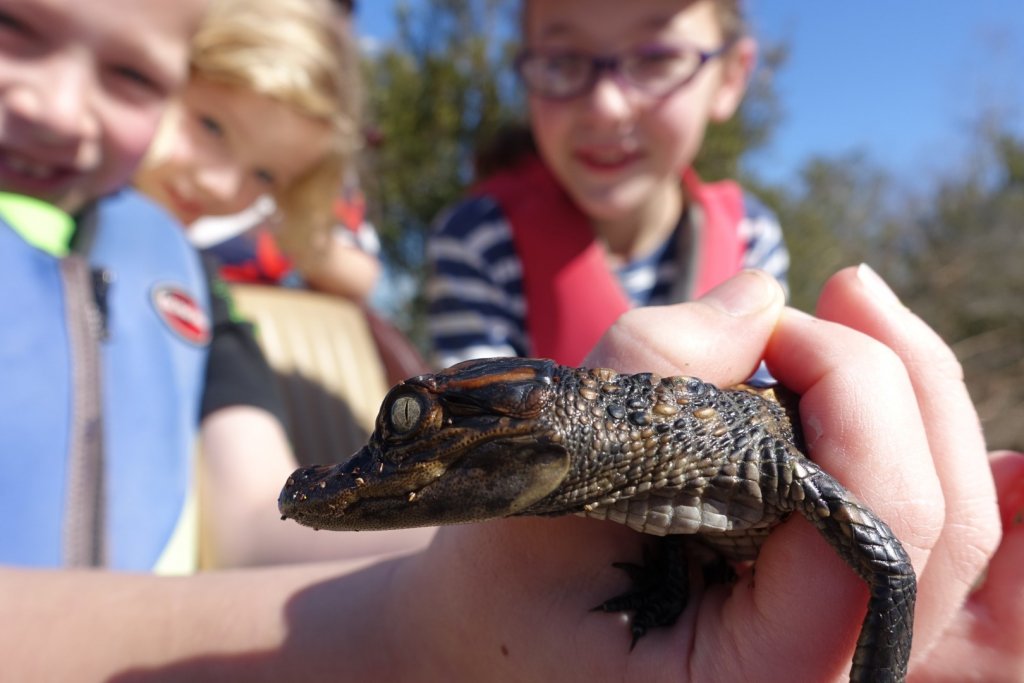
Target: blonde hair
{"type": "Point", "coordinates": [293, 52]}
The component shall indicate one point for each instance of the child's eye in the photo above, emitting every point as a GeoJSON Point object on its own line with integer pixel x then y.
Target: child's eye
{"type": "Point", "coordinates": [135, 76]}
{"type": "Point", "coordinates": [657, 68]}
{"type": "Point", "coordinates": [134, 83]}
{"type": "Point", "coordinates": [265, 177]}
{"type": "Point", "coordinates": [654, 63]}
{"type": "Point", "coordinates": [211, 125]}
{"type": "Point", "coordinates": [568, 65]}
{"type": "Point", "coordinates": [7, 21]}
{"type": "Point", "coordinates": [14, 29]}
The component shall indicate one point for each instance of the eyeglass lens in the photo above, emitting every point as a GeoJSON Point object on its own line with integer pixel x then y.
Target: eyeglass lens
{"type": "Point", "coordinates": [564, 75]}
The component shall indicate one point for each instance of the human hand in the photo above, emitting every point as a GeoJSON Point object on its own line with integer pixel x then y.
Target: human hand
{"type": "Point", "coordinates": [979, 623]}
{"type": "Point", "coordinates": [985, 642]}
{"type": "Point", "coordinates": [894, 423]}
{"type": "Point", "coordinates": [884, 411]}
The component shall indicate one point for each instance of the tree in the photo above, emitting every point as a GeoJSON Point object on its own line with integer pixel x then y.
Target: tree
{"type": "Point", "coordinates": [836, 216]}
{"type": "Point", "coordinates": [951, 251]}
{"type": "Point", "coordinates": [434, 95]}
{"type": "Point", "coordinates": [963, 274]}
{"type": "Point", "coordinates": [726, 143]}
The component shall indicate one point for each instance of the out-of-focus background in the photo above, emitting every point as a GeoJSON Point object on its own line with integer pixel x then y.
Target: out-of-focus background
{"type": "Point", "coordinates": [879, 132]}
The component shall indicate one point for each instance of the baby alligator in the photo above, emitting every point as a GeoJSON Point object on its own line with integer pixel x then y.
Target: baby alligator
{"type": "Point", "coordinates": [664, 456]}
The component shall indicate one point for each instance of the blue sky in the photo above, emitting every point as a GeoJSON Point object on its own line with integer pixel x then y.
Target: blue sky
{"type": "Point", "coordinates": [904, 81]}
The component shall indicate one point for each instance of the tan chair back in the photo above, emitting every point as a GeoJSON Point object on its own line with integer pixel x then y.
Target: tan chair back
{"type": "Point", "coordinates": [329, 371]}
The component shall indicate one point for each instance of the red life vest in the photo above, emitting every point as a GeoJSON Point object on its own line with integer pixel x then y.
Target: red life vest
{"type": "Point", "coordinates": [268, 265]}
{"type": "Point", "coordinates": [264, 262]}
{"type": "Point", "coordinates": [572, 297]}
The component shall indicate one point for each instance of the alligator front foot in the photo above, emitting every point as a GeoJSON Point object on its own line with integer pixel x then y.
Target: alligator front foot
{"type": "Point", "coordinates": [661, 587]}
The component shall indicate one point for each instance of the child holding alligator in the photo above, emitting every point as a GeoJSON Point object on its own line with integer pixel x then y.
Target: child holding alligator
{"type": "Point", "coordinates": [609, 213]}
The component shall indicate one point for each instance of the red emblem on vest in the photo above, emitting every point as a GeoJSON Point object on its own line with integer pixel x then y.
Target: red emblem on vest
{"type": "Point", "coordinates": [182, 314]}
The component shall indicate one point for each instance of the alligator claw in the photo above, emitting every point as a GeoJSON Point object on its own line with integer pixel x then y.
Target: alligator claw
{"type": "Point", "coordinates": [660, 589]}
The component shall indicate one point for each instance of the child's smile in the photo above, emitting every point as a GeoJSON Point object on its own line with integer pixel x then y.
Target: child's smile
{"type": "Point", "coordinates": [24, 174]}
{"type": "Point", "coordinates": [603, 158]}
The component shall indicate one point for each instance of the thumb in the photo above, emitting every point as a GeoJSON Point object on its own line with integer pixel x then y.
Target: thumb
{"type": "Point", "coordinates": [719, 338]}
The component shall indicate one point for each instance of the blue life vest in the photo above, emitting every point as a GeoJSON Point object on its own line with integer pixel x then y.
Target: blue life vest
{"type": "Point", "coordinates": [152, 358]}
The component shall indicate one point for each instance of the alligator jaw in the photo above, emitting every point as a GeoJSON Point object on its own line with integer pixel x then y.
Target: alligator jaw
{"type": "Point", "coordinates": [316, 496]}
{"type": "Point", "coordinates": [364, 494]}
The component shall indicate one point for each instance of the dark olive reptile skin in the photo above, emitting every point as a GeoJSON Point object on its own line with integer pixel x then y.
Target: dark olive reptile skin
{"type": "Point", "coordinates": [501, 437]}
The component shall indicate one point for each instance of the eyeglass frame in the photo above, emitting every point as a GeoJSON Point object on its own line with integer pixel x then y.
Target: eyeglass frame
{"type": "Point", "coordinates": [612, 64]}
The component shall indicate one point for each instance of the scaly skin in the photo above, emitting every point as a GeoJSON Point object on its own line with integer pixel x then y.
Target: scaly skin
{"type": "Point", "coordinates": [501, 437]}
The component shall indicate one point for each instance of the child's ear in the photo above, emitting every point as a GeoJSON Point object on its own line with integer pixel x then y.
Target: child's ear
{"type": "Point", "coordinates": [737, 66]}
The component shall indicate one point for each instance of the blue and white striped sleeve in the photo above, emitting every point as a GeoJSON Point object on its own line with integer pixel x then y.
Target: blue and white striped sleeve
{"type": "Point", "coordinates": [475, 293]}
{"type": "Point", "coordinates": [765, 245]}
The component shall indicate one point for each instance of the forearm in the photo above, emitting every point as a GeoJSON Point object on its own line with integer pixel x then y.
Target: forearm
{"type": "Point", "coordinates": [282, 624]}
{"type": "Point", "coordinates": [343, 270]}
{"type": "Point", "coordinates": [493, 602]}
{"type": "Point", "coordinates": [246, 459]}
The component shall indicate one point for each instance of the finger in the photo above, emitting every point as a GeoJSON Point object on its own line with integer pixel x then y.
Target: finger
{"type": "Point", "coordinates": [861, 422]}
{"type": "Point", "coordinates": [857, 297]}
{"type": "Point", "coordinates": [1008, 472]}
{"type": "Point", "coordinates": [863, 427]}
{"type": "Point", "coordinates": [985, 642]}
{"type": "Point", "coordinates": [731, 325]}
{"type": "Point", "coordinates": [1000, 597]}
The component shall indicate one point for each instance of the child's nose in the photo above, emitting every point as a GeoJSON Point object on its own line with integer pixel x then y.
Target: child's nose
{"type": "Point", "coordinates": [611, 98]}
{"type": "Point", "coordinates": [220, 182]}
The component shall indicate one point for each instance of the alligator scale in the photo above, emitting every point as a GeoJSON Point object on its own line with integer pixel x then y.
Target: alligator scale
{"type": "Point", "coordinates": [665, 456]}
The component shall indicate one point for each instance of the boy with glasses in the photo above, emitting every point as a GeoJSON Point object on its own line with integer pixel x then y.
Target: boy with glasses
{"type": "Point", "coordinates": [609, 215]}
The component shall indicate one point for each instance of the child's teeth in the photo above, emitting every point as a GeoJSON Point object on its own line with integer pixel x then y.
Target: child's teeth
{"type": "Point", "coordinates": [608, 157]}
{"type": "Point", "coordinates": [29, 168]}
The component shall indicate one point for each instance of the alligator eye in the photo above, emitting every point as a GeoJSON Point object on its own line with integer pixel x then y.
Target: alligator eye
{"type": "Point", "coordinates": [405, 414]}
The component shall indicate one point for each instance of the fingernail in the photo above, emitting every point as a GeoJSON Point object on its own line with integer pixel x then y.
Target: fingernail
{"type": "Point", "coordinates": [874, 284]}
{"type": "Point", "coordinates": [743, 294]}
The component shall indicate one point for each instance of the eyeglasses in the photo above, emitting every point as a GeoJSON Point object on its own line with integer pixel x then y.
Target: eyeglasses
{"type": "Point", "coordinates": [657, 72]}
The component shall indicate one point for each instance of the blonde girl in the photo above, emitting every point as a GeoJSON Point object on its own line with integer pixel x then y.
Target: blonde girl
{"type": "Point", "coordinates": [271, 109]}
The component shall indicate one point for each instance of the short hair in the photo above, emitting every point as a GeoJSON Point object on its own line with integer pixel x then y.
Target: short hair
{"type": "Point", "coordinates": [730, 17]}
{"type": "Point", "coordinates": [346, 6]}
{"type": "Point", "coordinates": [292, 52]}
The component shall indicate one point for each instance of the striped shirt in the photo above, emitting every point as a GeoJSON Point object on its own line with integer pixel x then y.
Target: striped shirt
{"type": "Point", "coordinates": [476, 303]}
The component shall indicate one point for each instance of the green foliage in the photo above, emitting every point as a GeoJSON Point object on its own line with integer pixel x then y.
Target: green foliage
{"type": "Point", "coordinates": [752, 126]}
{"type": "Point", "coordinates": [433, 95]}
{"type": "Point", "coordinates": [952, 252]}
{"type": "Point", "coordinates": [830, 220]}
{"type": "Point", "coordinates": [963, 275]}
